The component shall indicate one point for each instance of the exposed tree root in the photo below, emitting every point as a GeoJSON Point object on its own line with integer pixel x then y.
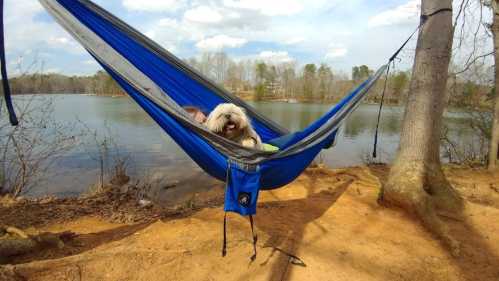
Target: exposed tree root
{"type": "Point", "coordinates": [428, 215]}
{"type": "Point", "coordinates": [443, 195]}
{"type": "Point", "coordinates": [15, 242]}
{"type": "Point", "coordinates": [16, 231]}
{"type": "Point", "coordinates": [425, 192]}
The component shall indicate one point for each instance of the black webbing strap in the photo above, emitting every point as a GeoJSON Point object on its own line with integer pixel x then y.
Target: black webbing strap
{"type": "Point", "coordinates": [255, 238]}
{"type": "Point", "coordinates": [224, 245]}
{"type": "Point", "coordinates": [424, 19]}
{"type": "Point", "coordinates": [5, 79]}
{"type": "Point", "coordinates": [375, 150]}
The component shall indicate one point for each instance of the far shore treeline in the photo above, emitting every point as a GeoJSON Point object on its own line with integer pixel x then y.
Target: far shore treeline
{"type": "Point", "coordinates": [264, 81]}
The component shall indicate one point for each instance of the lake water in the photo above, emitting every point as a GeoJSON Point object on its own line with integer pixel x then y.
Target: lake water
{"type": "Point", "coordinates": [154, 156]}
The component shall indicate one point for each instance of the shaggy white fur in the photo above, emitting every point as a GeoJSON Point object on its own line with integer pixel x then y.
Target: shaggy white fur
{"type": "Point", "coordinates": [231, 122]}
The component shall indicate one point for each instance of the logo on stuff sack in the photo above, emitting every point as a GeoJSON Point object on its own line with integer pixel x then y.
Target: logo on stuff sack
{"type": "Point", "coordinates": [244, 199]}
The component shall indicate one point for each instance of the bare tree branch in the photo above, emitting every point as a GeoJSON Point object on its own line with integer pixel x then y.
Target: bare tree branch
{"type": "Point", "coordinates": [472, 62]}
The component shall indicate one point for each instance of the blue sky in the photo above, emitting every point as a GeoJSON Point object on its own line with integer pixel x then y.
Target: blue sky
{"type": "Point", "coordinates": [338, 32]}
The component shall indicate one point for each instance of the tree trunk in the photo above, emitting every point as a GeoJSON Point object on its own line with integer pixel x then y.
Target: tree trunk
{"type": "Point", "coordinates": [494, 140]}
{"type": "Point", "coordinates": [416, 181]}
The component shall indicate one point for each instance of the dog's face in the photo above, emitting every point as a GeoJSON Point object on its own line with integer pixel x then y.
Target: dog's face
{"type": "Point", "coordinates": [228, 120]}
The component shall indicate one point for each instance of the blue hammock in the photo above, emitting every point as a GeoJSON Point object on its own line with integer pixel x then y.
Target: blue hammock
{"type": "Point", "coordinates": [162, 85]}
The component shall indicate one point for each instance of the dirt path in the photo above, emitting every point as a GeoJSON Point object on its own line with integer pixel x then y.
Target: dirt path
{"type": "Point", "coordinates": [329, 219]}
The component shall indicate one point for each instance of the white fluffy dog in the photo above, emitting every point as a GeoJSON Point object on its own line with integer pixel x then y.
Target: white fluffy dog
{"type": "Point", "coordinates": [231, 122]}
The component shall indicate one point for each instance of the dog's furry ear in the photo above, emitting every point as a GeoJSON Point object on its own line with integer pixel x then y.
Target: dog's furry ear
{"type": "Point", "coordinates": [212, 121]}
{"type": "Point", "coordinates": [246, 116]}
{"type": "Point", "coordinates": [212, 124]}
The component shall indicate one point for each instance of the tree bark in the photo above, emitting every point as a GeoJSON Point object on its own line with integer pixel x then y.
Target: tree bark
{"type": "Point", "coordinates": [494, 140]}
{"type": "Point", "coordinates": [416, 181]}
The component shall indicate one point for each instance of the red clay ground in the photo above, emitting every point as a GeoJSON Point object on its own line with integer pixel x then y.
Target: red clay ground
{"type": "Point", "coordinates": [330, 219]}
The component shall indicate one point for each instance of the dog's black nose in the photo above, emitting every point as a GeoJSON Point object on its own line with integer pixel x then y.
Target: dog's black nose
{"type": "Point", "coordinates": [227, 116]}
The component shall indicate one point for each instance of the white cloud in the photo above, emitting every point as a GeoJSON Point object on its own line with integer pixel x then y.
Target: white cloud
{"type": "Point", "coordinates": [152, 5]}
{"type": "Point", "coordinates": [220, 42]}
{"type": "Point", "coordinates": [406, 13]}
{"type": "Point", "coordinates": [220, 19]}
{"type": "Point", "coordinates": [275, 57]}
{"type": "Point", "coordinates": [172, 33]}
{"type": "Point", "coordinates": [179, 24]}
{"type": "Point", "coordinates": [168, 22]}
{"type": "Point", "coordinates": [21, 7]}
{"type": "Point", "coordinates": [336, 51]}
{"type": "Point", "coordinates": [163, 40]}
{"type": "Point", "coordinates": [294, 41]}
{"type": "Point", "coordinates": [24, 31]}
{"type": "Point", "coordinates": [268, 7]}
{"type": "Point", "coordinates": [238, 19]}
{"type": "Point", "coordinates": [59, 41]}
{"type": "Point", "coordinates": [203, 14]}
{"type": "Point", "coordinates": [66, 43]}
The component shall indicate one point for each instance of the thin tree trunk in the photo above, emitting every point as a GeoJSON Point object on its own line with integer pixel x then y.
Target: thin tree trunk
{"type": "Point", "coordinates": [416, 181]}
{"type": "Point", "coordinates": [494, 141]}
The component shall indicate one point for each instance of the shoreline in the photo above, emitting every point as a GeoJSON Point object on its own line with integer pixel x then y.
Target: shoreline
{"type": "Point", "coordinates": [450, 109]}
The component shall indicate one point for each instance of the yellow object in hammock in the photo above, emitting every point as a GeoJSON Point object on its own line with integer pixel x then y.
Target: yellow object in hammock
{"type": "Point", "coordinates": [270, 148]}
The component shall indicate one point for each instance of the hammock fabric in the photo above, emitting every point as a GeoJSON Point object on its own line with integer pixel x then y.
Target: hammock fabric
{"type": "Point", "coordinates": [162, 85]}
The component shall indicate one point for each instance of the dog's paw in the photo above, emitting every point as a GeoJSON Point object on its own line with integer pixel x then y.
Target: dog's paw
{"type": "Point", "coordinates": [249, 143]}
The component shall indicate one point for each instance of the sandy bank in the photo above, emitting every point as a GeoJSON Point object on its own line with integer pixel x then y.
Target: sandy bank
{"type": "Point", "coordinates": [328, 218]}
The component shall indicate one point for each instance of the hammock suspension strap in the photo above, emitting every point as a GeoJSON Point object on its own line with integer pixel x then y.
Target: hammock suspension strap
{"type": "Point", "coordinates": [424, 20]}
{"type": "Point", "coordinates": [5, 78]}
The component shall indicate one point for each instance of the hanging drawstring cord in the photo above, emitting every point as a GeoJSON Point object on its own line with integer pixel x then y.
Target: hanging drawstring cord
{"type": "Point", "coordinates": [255, 238]}
{"type": "Point", "coordinates": [227, 179]}
{"type": "Point", "coordinates": [424, 20]}
{"type": "Point", "coordinates": [224, 245]}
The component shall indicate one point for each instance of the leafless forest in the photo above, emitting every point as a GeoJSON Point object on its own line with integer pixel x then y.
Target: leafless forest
{"type": "Point", "coordinates": [259, 80]}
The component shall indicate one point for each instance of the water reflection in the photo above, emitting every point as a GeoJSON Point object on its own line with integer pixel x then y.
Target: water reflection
{"type": "Point", "coordinates": [299, 116]}
{"type": "Point", "coordinates": [153, 151]}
